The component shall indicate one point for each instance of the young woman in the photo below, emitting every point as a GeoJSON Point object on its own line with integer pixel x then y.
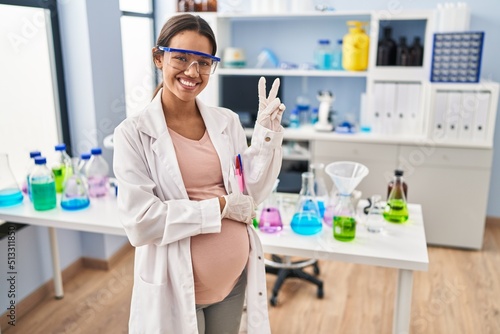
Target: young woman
{"type": "Point", "coordinates": [179, 199]}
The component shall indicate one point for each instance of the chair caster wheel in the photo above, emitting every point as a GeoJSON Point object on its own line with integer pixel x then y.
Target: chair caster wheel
{"type": "Point", "coordinates": [274, 300]}
{"type": "Point", "coordinates": [320, 294]}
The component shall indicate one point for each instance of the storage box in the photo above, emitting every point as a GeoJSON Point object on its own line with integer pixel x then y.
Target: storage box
{"type": "Point", "coordinates": [456, 57]}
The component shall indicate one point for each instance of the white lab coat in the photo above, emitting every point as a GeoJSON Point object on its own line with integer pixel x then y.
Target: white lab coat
{"type": "Point", "coordinates": [159, 219]}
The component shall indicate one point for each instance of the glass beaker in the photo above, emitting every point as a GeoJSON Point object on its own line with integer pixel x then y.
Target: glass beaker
{"type": "Point", "coordinates": [320, 189]}
{"type": "Point", "coordinates": [374, 220]}
{"type": "Point", "coordinates": [75, 195]}
{"type": "Point", "coordinates": [270, 217]}
{"type": "Point", "coordinates": [10, 193]}
{"type": "Point", "coordinates": [306, 220]}
{"type": "Point", "coordinates": [396, 209]}
{"type": "Point", "coordinates": [346, 176]}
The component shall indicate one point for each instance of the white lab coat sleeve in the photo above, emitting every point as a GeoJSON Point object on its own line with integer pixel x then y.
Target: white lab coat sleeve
{"type": "Point", "coordinates": [147, 219]}
{"type": "Point", "coordinates": [262, 162]}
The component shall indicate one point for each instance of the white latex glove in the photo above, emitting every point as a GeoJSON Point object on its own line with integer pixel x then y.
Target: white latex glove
{"type": "Point", "coordinates": [270, 108]}
{"type": "Point", "coordinates": [239, 207]}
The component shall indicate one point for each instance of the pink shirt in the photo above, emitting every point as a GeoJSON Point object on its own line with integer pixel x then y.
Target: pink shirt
{"type": "Point", "coordinates": [218, 258]}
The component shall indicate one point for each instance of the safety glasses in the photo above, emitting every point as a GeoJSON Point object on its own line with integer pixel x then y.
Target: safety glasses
{"type": "Point", "coordinates": [182, 60]}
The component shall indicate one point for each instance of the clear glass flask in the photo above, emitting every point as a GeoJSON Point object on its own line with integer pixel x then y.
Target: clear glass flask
{"type": "Point", "coordinates": [10, 193]}
{"type": "Point", "coordinates": [270, 217]}
{"type": "Point", "coordinates": [306, 219]}
{"type": "Point", "coordinates": [374, 220]}
{"type": "Point", "coordinates": [346, 176]}
{"type": "Point", "coordinates": [320, 189]}
{"type": "Point", "coordinates": [61, 167]}
{"type": "Point", "coordinates": [75, 195]}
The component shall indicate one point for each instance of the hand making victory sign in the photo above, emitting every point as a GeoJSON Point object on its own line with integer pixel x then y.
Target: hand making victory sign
{"type": "Point", "coordinates": [270, 108]}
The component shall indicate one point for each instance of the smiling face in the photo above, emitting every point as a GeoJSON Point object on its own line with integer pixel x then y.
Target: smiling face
{"type": "Point", "coordinates": [178, 84]}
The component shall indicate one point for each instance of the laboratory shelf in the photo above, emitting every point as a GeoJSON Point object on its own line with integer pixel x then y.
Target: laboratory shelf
{"type": "Point", "coordinates": [293, 73]}
{"type": "Point", "coordinates": [290, 16]}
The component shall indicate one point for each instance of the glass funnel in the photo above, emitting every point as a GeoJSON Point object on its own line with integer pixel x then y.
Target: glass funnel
{"type": "Point", "coordinates": [346, 176]}
{"type": "Point", "coordinates": [75, 195]}
{"type": "Point", "coordinates": [270, 217]}
{"type": "Point", "coordinates": [306, 219]}
{"type": "Point", "coordinates": [10, 193]}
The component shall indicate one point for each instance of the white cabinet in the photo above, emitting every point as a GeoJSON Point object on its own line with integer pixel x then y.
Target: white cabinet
{"type": "Point", "coordinates": [452, 186]}
{"type": "Point", "coordinates": [379, 158]}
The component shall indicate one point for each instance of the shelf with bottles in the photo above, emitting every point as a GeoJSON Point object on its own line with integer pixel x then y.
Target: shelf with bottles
{"type": "Point", "coordinates": [291, 72]}
{"type": "Point", "coordinates": [401, 45]}
{"type": "Point", "coordinates": [250, 34]}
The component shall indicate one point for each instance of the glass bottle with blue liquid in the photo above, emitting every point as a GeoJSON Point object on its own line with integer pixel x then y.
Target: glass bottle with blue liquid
{"type": "Point", "coordinates": [10, 193]}
{"type": "Point", "coordinates": [75, 195]}
{"type": "Point", "coordinates": [306, 219]}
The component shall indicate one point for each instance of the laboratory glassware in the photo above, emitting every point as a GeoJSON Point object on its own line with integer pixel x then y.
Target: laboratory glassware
{"type": "Point", "coordinates": [84, 159]}
{"type": "Point", "coordinates": [355, 47]}
{"type": "Point", "coordinates": [26, 184]}
{"type": "Point", "coordinates": [396, 209]}
{"type": "Point", "coordinates": [386, 52]}
{"type": "Point", "coordinates": [397, 172]}
{"type": "Point", "coordinates": [346, 176]}
{"type": "Point", "coordinates": [416, 52]}
{"type": "Point", "coordinates": [374, 220]}
{"type": "Point", "coordinates": [270, 217]}
{"type": "Point", "coordinates": [43, 186]}
{"type": "Point", "coordinates": [403, 53]}
{"type": "Point", "coordinates": [10, 193]}
{"type": "Point", "coordinates": [306, 219]}
{"type": "Point", "coordinates": [75, 195]}
{"type": "Point", "coordinates": [323, 55]}
{"type": "Point", "coordinates": [62, 167]}
{"type": "Point", "coordinates": [97, 174]}
{"type": "Point", "coordinates": [337, 56]}
{"type": "Point", "coordinates": [320, 189]}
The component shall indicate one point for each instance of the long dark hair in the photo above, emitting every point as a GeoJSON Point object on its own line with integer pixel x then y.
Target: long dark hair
{"type": "Point", "coordinates": [177, 24]}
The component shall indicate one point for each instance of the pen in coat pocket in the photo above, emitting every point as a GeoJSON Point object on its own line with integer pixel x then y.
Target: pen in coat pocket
{"type": "Point", "coordinates": [239, 172]}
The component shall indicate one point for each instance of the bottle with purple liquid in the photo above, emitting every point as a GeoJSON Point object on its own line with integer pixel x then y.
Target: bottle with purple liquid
{"type": "Point", "coordinates": [270, 217]}
{"type": "Point", "coordinates": [96, 171]}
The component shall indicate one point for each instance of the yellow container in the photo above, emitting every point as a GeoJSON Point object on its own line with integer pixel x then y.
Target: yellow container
{"type": "Point", "coordinates": [355, 47]}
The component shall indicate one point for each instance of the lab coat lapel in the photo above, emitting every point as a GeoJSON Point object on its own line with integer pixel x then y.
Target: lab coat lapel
{"type": "Point", "coordinates": [153, 124]}
{"type": "Point", "coordinates": [216, 124]}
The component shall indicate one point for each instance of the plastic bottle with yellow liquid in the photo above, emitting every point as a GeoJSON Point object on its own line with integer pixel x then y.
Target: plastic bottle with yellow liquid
{"type": "Point", "coordinates": [355, 47]}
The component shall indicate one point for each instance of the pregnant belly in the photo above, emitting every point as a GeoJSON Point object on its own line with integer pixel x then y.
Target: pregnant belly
{"type": "Point", "coordinates": [218, 259]}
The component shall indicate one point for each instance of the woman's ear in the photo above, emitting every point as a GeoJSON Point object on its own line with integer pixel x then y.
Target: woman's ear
{"type": "Point", "coordinates": [158, 58]}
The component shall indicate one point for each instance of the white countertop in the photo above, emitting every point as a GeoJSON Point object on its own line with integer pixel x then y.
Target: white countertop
{"type": "Point", "coordinates": [402, 246]}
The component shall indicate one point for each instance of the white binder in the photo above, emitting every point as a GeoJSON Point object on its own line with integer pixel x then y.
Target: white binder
{"type": "Point", "coordinates": [401, 109]}
{"type": "Point", "coordinates": [413, 119]}
{"type": "Point", "coordinates": [468, 108]}
{"type": "Point", "coordinates": [452, 115]}
{"type": "Point", "coordinates": [440, 107]}
{"type": "Point", "coordinates": [378, 107]}
{"type": "Point", "coordinates": [481, 118]}
{"type": "Point", "coordinates": [388, 117]}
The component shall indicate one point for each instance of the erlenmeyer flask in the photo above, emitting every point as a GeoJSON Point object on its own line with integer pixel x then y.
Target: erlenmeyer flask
{"type": "Point", "coordinates": [396, 210]}
{"type": "Point", "coordinates": [270, 217]}
{"type": "Point", "coordinates": [75, 195]}
{"type": "Point", "coordinates": [306, 219]}
{"type": "Point", "coordinates": [319, 187]}
{"type": "Point", "coordinates": [10, 193]}
{"type": "Point", "coordinates": [374, 220]}
{"type": "Point", "coordinates": [346, 175]}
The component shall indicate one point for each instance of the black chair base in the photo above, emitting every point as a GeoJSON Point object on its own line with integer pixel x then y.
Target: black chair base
{"type": "Point", "coordinates": [297, 271]}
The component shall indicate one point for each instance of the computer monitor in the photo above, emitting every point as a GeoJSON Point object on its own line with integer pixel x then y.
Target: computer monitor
{"type": "Point", "coordinates": [240, 94]}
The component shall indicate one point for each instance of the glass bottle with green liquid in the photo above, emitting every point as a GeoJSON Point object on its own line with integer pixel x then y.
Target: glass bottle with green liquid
{"type": "Point", "coordinates": [62, 167]}
{"type": "Point", "coordinates": [43, 187]}
{"type": "Point", "coordinates": [396, 209]}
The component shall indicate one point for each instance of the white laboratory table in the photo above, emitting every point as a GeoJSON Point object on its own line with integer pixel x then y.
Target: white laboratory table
{"type": "Point", "coordinates": [402, 247]}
